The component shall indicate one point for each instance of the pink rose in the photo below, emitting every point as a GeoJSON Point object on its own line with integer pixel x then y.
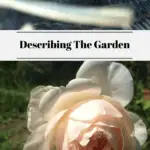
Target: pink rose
{"type": "Point", "coordinates": [87, 114]}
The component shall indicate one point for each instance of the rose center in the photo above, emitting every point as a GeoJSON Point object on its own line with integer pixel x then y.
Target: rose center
{"type": "Point", "coordinates": [99, 141]}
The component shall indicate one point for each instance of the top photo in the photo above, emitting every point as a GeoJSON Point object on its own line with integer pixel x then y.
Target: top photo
{"type": "Point", "coordinates": [74, 14]}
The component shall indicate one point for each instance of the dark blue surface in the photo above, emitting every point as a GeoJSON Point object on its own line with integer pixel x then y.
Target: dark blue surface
{"type": "Point", "coordinates": [141, 8]}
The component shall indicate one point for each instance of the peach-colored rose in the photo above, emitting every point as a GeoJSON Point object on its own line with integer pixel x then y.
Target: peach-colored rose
{"type": "Point", "coordinates": [100, 123]}
{"type": "Point", "coordinates": [80, 117]}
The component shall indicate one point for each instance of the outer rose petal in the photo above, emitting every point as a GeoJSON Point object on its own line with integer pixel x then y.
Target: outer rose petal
{"type": "Point", "coordinates": [37, 140]}
{"type": "Point", "coordinates": [114, 79]}
{"type": "Point", "coordinates": [96, 69]}
{"type": "Point", "coordinates": [48, 100]}
{"type": "Point", "coordinates": [121, 83]}
{"type": "Point", "coordinates": [35, 117]}
{"type": "Point", "coordinates": [82, 84]}
{"type": "Point", "coordinates": [140, 128]}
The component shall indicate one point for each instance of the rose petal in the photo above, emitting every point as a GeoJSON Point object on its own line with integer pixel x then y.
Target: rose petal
{"type": "Point", "coordinates": [35, 117]}
{"type": "Point", "coordinates": [74, 129]}
{"type": "Point", "coordinates": [81, 84]}
{"type": "Point", "coordinates": [96, 69]}
{"type": "Point", "coordinates": [48, 100]}
{"type": "Point", "coordinates": [121, 83]}
{"type": "Point", "coordinates": [138, 146]}
{"type": "Point", "coordinates": [37, 140]}
{"type": "Point", "coordinates": [69, 98]}
{"type": "Point", "coordinates": [108, 121]}
{"type": "Point", "coordinates": [94, 109]}
{"type": "Point", "coordinates": [114, 136]}
{"type": "Point", "coordinates": [65, 142]}
{"type": "Point", "coordinates": [140, 128]}
{"type": "Point", "coordinates": [114, 79]}
{"type": "Point", "coordinates": [61, 136]}
{"type": "Point", "coordinates": [129, 140]}
{"type": "Point", "coordinates": [111, 122]}
{"type": "Point", "coordinates": [125, 120]}
{"type": "Point", "coordinates": [86, 137]}
{"type": "Point", "coordinates": [51, 125]}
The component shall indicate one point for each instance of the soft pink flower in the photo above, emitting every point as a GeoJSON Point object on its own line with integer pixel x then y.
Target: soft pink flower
{"type": "Point", "coordinates": [87, 114]}
{"type": "Point", "coordinates": [92, 125]}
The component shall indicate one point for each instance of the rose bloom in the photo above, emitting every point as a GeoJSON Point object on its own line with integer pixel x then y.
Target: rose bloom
{"type": "Point", "coordinates": [87, 114]}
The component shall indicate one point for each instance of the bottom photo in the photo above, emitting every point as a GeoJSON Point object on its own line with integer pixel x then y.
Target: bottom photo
{"type": "Point", "coordinates": [75, 105]}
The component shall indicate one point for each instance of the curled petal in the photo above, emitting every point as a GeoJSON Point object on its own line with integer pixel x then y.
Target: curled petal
{"type": "Point", "coordinates": [35, 117]}
{"type": "Point", "coordinates": [37, 140]}
{"type": "Point", "coordinates": [51, 125]}
{"type": "Point", "coordinates": [75, 128]}
{"type": "Point", "coordinates": [116, 126]}
{"type": "Point", "coordinates": [139, 127]}
{"type": "Point", "coordinates": [38, 92]}
{"type": "Point", "coordinates": [108, 121]}
{"type": "Point", "coordinates": [81, 84]}
{"type": "Point", "coordinates": [102, 137]}
{"type": "Point", "coordinates": [114, 79]}
{"type": "Point", "coordinates": [94, 109]}
{"type": "Point", "coordinates": [125, 120]}
{"type": "Point", "coordinates": [114, 136]}
{"type": "Point", "coordinates": [86, 137]}
{"type": "Point", "coordinates": [48, 100]}
{"type": "Point", "coordinates": [71, 97]}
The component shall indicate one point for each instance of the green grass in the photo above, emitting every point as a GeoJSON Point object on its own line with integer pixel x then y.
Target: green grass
{"type": "Point", "coordinates": [13, 134]}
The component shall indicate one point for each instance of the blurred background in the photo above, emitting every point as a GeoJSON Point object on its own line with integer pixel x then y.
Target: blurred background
{"type": "Point", "coordinates": [18, 78]}
{"type": "Point", "coordinates": [14, 20]}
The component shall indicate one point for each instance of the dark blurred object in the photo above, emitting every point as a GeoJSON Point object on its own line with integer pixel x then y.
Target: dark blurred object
{"type": "Point", "coordinates": [142, 11]}
{"type": "Point", "coordinates": [146, 94]}
{"type": "Point", "coordinates": [10, 19]}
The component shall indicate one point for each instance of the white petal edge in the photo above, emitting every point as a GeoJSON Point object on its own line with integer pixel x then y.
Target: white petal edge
{"type": "Point", "coordinates": [37, 141]}
{"type": "Point", "coordinates": [113, 78]}
{"type": "Point", "coordinates": [139, 127]}
{"type": "Point", "coordinates": [47, 99]}
{"type": "Point", "coordinates": [121, 83]}
{"type": "Point", "coordinates": [98, 71]}
{"type": "Point", "coordinates": [35, 117]}
{"type": "Point", "coordinates": [81, 84]}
